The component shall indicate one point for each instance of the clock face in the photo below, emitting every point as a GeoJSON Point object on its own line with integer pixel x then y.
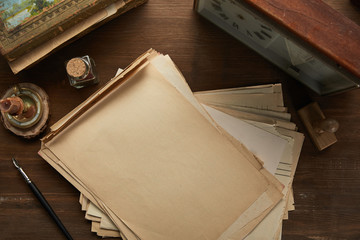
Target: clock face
{"type": "Point", "coordinates": [243, 22]}
{"type": "Point", "coordinates": [256, 30]}
{"type": "Point", "coordinates": [232, 17]}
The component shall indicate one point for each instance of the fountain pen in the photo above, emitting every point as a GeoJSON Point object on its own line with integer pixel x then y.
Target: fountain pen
{"type": "Point", "coordinates": [42, 200]}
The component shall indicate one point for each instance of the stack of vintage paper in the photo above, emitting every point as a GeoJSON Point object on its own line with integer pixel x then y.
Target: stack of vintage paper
{"type": "Point", "coordinates": [257, 117]}
{"type": "Point", "coordinates": [152, 162]}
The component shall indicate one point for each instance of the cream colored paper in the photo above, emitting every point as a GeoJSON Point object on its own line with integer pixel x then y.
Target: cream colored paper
{"type": "Point", "coordinates": [290, 206]}
{"type": "Point", "coordinates": [256, 118]}
{"type": "Point", "coordinates": [103, 222]}
{"type": "Point", "coordinates": [267, 113]}
{"type": "Point", "coordinates": [266, 146]}
{"type": "Point", "coordinates": [266, 101]}
{"type": "Point", "coordinates": [54, 162]}
{"type": "Point", "coordinates": [140, 145]}
{"type": "Point", "coordinates": [258, 89]}
{"type": "Point", "coordinates": [95, 227]}
{"type": "Point", "coordinates": [154, 90]}
{"type": "Point", "coordinates": [273, 221]}
{"type": "Point", "coordinates": [270, 227]}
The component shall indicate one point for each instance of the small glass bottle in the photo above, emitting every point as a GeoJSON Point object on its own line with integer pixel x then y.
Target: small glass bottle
{"type": "Point", "coordinates": [81, 71]}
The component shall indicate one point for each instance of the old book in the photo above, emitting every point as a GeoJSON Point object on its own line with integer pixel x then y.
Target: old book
{"type": "Point", "coordinates": [29, 24]}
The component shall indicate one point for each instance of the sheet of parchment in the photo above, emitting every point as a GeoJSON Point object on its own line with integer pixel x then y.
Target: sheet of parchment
{"type": "Point", "coordinates": [266, 146]}
{"type": "Point", "coordinates": [286, 165]}
{"type": "Point", "coordinates": [152, 92]}
{"type": "Point", "coordinates": [146, 149]}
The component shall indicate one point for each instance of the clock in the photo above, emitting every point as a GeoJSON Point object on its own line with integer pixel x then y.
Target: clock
{"type": "Point", "coordinates": [307, 39]}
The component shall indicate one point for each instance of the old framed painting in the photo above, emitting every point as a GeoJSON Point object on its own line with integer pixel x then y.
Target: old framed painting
{"type": "Point", "coordinates": [25, 24]}
{"type": "Point", "coordinates": [30, 30]}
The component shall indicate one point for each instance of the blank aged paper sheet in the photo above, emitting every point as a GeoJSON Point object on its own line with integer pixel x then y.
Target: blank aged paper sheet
{"type": "Point", "coordinates": [158, 168]}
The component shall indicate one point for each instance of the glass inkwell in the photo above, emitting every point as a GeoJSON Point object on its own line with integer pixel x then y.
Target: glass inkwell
{"type": "Point", "coordinates": [81, 71]}
{"type": "Point", "coordinates": [25, 109]}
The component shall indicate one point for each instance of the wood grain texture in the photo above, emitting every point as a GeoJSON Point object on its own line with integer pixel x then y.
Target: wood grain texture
{"type": "Point", "coordinates": [346, 8]}
{"type": "Point", "coordinates": [326, 184]}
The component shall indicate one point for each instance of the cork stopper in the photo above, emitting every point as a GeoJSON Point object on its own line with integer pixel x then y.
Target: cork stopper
{"type": "Point", "coordinates": [76, 67]}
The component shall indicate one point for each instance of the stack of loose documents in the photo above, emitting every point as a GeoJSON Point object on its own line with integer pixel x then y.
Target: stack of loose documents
{"type": "Point", "coordinates": [155, 161]}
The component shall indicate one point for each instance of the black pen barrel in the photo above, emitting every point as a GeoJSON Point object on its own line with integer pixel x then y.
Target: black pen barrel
{"type": "Point", "coordinates": [48, 208]}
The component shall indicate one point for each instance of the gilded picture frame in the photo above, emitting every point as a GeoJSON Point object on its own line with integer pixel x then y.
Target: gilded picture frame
{"type": "Point", "coordinates": [20, 34]}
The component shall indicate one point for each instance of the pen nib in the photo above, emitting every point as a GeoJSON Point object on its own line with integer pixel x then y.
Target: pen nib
{"type": "Point", "coordinates": [16, 164]}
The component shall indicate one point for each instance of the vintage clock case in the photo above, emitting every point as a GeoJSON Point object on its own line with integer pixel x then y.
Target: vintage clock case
{"type": "Point", "coordinates": [308, 39]}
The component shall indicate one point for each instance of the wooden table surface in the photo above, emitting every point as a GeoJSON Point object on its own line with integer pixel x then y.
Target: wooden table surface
{"type": "Point", "coordinates": [326, 184]}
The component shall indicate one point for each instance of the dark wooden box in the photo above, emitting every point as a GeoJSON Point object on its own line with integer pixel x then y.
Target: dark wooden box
{"type": "Point", "coordinates": [308, 39]}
